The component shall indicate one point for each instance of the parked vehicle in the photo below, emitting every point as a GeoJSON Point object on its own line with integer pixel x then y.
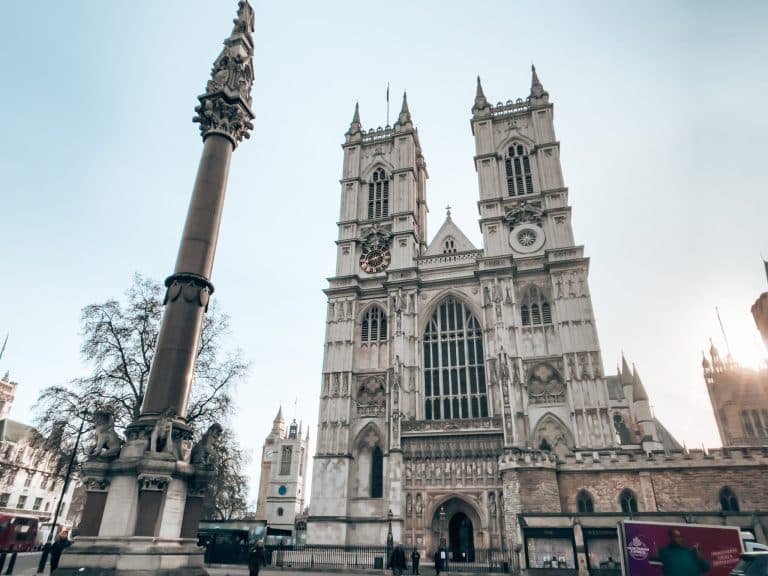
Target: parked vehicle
{"type": "Point", "coordinates": [18, 533]}
{"type": "Point", "coordinates": [752, 564]}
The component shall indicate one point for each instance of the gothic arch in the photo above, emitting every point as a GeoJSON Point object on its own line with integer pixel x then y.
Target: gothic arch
{"type": "Point", "coordinates": [385, 165]}
{"type": "Point", "coordinates": [458, 503]}
{"type": "Point", "coordinates": [364, 439]}
{"type": "Point", "coordinates": [432, 305]}
{"type": "Point", "coordinates": [365, 307]}
{"type": "Point", "coordinates": [515, 138]}
{"type": "Point", "coordinates": [552, 432]}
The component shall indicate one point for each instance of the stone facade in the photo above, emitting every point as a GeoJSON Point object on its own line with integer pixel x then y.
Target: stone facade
{"type": "Point", "coordinates": [463, 389]}
{"type": "Point", "coordinates": [283, 481]}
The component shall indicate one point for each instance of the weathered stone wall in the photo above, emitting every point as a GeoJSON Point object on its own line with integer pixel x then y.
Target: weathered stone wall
{"type": "Point", "coordinates": [539, 490]}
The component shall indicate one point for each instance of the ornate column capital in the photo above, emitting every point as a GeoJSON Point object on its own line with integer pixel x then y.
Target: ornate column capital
{"type": "Point", "coordinates": [225, 108]}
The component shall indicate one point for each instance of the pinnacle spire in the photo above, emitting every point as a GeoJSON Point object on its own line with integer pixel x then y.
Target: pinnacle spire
{"type": "Point", "coordinates": [279, 417]}
{"type": "Point", "coordinates": [355, 126]}
{"type": "Point", "coordinates": [405, 114]}
{"type": "Point", "coordinates": [537, 90]}
{"type": "Point", "coordinates": [638, 390]}
{"type": "Point", "coordinates": [225, 108]}
{"type": "Point", "coordinates": [480, 100]}
{"type": "Point", "coordinates": [626, 374]}
{"type": "Point", "coordinates": [704, 362]}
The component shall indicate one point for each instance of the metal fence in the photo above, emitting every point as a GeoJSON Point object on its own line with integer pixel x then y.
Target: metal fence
{"type": "Point", "coordinates": [315, 556]}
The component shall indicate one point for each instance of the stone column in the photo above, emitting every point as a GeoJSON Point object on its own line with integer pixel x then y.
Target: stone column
{"type": "Point", "coordinates": [145, 496]}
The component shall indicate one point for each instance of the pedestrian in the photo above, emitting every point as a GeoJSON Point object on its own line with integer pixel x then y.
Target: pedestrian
{"type": "Point", "coordinates": [256, 559]}
{"type": "Point", "coordinates": [397, 560]}
{"type": "Point", "coordinates": [438, 562]}
{"type": "Point", "coordinates": [59, 545]}
{"type": "Point", "coordinates": [415, 557]}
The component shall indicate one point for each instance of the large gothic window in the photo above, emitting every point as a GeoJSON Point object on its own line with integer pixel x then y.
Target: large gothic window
{"type": "Point", "coordinates": [378, 195]}
{"type": "Point", "coordinates": [454, 371]}
{"type": "Point", "coordinates": [377, 473]}
{"type": "Point", "coordinates": [518, 169]}
{"type": "Point", "coordinates": [373, 329]}
{"type": "Point", "coordinates": [535, 310]}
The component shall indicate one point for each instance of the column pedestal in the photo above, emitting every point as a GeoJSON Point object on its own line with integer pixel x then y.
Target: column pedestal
{"type": "Point", "coordinates": [142, 509]}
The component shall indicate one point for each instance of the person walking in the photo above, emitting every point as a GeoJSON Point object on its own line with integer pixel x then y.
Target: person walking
{"type": "Point", "coordinates": [61, 543]}
{"type": "Point", "coordinates": [256, 559]}
{"type": "Point", "coordinates": [438, 562]}
{"type": "Point", "coordinates": [415, 557]}
{"type": "Point", "coordinates": [397, 560]}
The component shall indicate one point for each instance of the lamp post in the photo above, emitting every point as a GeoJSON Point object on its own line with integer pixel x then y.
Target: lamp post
{"type": "Point", "coordinates": [442, 527]}
{"type": "Point", "coordinates": [67, 477]}
{"type": "Point", "coordinates": [390, 537]}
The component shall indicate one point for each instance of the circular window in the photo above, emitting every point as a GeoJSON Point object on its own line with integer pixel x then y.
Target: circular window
{"type": "Point", "coordinates": [282, 490]}
{"type": "Point", "coordinates": [279, 511]}
{"type": "Point", "coordinates": [526, 238]}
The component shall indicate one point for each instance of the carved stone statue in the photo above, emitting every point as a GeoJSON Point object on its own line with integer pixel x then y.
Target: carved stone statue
{"type": "Point", "coordinates": [204, 452]}
{"type": "Point", "coordinates": [108, 443]}
{"type": "Point", "coordinates": [161, 439]}
{"type": "Point", "coordinates": [418, 505]}
{"type": "Point", "coordinates": [492, 504]}
{"type": "Point", "coordinates": [408, 505]}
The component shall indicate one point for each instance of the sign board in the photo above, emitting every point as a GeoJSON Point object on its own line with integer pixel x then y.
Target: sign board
{"type": "Point", "coordinates": [641, 543]}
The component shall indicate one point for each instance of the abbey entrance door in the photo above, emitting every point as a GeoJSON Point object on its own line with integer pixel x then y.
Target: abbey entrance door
{"type": "Point", "coordinates": [461, 541]}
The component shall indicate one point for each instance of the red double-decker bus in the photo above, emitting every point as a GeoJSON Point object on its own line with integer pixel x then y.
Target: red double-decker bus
{"type": "Point", "coordinates": [18, 533]}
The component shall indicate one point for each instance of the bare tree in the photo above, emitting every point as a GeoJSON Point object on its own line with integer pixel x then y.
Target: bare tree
{"type": "Point", "coordinates": [227, 498]}
{"type": "Point", "coordinates": [119, 340]}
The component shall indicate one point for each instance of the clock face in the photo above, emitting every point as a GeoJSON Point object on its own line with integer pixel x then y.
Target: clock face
{"type": "Point", "coordinates": [282, 490]}
{"type": "Point", "coordinates": [375, 260]}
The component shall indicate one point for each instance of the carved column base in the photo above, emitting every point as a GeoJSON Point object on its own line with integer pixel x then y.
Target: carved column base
{"type": "Point", "coordinates": [134, 556]}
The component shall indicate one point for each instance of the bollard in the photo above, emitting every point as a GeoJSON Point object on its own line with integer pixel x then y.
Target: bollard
{"type": "Point", "coordinates": [12, 563]}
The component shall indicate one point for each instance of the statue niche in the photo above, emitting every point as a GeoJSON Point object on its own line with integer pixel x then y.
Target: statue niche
{"type": "Point", "coordinates": [371, 397]}
{"type": "Point", "coordinates": [545, 385]}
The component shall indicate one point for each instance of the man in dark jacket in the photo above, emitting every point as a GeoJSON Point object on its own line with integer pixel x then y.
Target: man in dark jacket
{"type": "Point", "coordinates": [397, 560]}
{"type": "Point", "coordinates": [415, 557]}
{"type": "Point", "coordinates": [62, 542]}
{"type": "Point", "coordinates": [256, 559]}
{"type": "Point", "coordinates": [438, 562]}
{"type": "Point", "coordinates": [680, 560]}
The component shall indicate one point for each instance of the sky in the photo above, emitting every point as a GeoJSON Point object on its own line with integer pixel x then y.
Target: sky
{"type": "Point", "coordinates": [659, 108]}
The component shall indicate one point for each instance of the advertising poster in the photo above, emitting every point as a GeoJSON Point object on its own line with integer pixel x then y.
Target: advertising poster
{"type": "Point", "coordinates": [688, 549]}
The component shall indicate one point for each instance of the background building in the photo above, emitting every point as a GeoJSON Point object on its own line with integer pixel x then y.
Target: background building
{"type": "Point", "coordinates": [283, 481]}
{"type": "Point", "coordinates": [463, 392]}
{"type": "Point", "coordinates": [31, 480]}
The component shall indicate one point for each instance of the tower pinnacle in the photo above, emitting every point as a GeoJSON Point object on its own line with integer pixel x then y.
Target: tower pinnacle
{"type": "Point", "coordinates": [480, 100]}
{"type": "Point", "coordinates": [225, 108]}
{"type": "Point", "coordinates": [537, 90]}
{"type": "Point", "coordinates": [355, 126]}
{"type": "Point", "coordinates": [405, 114]}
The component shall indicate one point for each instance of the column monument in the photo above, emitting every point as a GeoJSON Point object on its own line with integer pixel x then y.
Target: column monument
{"type": "Point", "coordinates": [144, 497]}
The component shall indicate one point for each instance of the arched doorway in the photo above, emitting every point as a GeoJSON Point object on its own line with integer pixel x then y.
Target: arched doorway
{"type": "Point", "coordinates": [461, 541]}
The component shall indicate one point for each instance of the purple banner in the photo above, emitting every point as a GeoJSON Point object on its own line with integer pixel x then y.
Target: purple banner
{"type": "Point", "coordinates": [646, 544]}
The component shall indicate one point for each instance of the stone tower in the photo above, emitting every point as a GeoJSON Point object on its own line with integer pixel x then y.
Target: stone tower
{"type": "Point", "coordinates": [283, 482]}
{"type": "Point", "coordinates": [443, 360]}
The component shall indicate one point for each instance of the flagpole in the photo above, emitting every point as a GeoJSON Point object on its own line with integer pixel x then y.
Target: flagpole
{"type": "Point", "coordinates": [387, 103]}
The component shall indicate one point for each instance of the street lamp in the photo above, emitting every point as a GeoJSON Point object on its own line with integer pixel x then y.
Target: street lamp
{"type": "Point", "coordinates": [47, 547]}
{"type": "Point", "coordinates": [442, 527]}
{"type": "Point", "coordinates": [390, 538]}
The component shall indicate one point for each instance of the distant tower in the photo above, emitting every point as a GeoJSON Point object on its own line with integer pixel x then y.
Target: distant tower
{"type": "Point", "coordinates": [7, 394]}
{"type": "Point", "coordinates": [283, 482]}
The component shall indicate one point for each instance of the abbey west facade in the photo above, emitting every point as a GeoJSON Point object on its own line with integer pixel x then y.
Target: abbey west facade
{"type": "Point", "coordinates": [463, 395]}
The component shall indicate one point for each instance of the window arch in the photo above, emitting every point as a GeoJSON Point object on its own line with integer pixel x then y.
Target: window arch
{"type": "Point", "coordinates": [584, 502]}
{"type": "Point", "coordinates": [454, 371]}
{"type": "Point", "coordinates": [628, 501]}
{"type": "Point", "coordinates": [728, 500]}
{"type": "Point", "coordinates": [749, 431]}
{"type": "Point", "coordinates": [377, 472]}
{"type": "Point", "coordinates": [378, 195]}
{"type": "Point", "coordinates": [373, 329]}
{"type": "Point", "coordinates": [518, 171]}
{"type": "Point", "coordinates": [449, 246]}
{"type": "Point", "coordinates": [535, 309]}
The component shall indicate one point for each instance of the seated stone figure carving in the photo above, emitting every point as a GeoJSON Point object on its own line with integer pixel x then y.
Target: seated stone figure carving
{"type": "Point", "coordinates": [161, 439]}
{"type": "Point", "coordinates": [108, 443]}
{"type": "Point", "coordinates": [204, 452]}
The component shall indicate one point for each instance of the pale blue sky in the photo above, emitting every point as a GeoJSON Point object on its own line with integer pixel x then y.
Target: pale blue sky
{"type": "Point", "coordinates": [659, 106]}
